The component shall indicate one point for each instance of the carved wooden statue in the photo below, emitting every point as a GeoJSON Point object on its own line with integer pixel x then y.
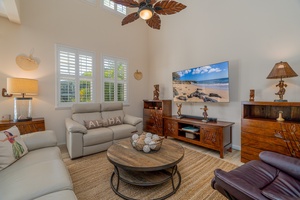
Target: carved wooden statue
{"type": "Point", "coordinates": [205, 114]}
{"type": "Point", "coordinates": [179, 105]}
{"type": "Point", "coordinates": [252, 93]}
{"type": "Point", "coordinates": [156, 92]}
{"type": "Point", "coordinates": [281, 91]}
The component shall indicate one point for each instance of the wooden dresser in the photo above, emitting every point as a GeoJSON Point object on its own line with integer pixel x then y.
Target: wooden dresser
{"type": "Point", "coordinates": [36, 124]}
{"type": "Point", "coordinates": [260, 131]}
{"type": "Point", "coordinates": [154, 111]}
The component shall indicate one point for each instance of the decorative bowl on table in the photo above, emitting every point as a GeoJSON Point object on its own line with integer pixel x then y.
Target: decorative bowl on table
{"type": "Point", "coordinates": [146, 142]}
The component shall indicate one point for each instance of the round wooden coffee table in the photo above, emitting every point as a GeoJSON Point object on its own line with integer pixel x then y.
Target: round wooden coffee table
{"type": "Point", "coordinates": [145, 169]}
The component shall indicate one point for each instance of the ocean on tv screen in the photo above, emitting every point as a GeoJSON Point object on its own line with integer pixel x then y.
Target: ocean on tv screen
{"type": "Point", "coordinates": [209, 83]}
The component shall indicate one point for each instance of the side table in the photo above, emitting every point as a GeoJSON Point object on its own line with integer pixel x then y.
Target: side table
{"type": "Point", "coordinates": [34, 125]}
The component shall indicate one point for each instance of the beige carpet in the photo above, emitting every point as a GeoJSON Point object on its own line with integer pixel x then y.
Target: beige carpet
{"type": "Point", "coordinates": [91, 178]}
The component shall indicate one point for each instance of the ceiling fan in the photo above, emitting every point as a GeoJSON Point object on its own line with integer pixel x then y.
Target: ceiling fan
{"type": "Point", "coordinates": [149, 10]}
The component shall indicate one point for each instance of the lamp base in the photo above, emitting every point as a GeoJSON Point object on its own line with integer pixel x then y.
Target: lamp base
{"type": "Point", "coordinates": [23, 120]}
{"type": "Point", "coordinates": [280, 100]}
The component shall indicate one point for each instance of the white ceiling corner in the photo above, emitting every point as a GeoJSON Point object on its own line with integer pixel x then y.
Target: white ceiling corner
{"type": "Point", "coordinates": [10, 10]}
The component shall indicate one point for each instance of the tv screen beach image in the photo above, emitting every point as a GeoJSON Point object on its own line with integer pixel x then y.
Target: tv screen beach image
{"type": "Point", "coordinates": [208, 83]}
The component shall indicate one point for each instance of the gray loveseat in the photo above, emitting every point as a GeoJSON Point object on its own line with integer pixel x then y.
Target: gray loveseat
{"type": "Point", "coordinates": [82, 141]}
{"type": "Point", "coordinates": [40, 174]}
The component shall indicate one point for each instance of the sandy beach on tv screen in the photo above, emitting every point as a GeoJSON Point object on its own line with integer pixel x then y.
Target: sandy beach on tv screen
{"type": "Point", "coordinates": [186, 89]}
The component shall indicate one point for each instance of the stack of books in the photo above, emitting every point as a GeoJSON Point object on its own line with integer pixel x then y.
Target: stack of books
{"type": "Point", "coordinates": [190, 128]}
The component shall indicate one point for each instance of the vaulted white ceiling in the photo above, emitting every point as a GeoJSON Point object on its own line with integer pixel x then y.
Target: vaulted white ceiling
{"type": "Point", "coordinates": [10, 9]}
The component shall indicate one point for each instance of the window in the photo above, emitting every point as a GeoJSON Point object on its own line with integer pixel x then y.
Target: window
{"type": "Point", "coordinates": [114, 80]}
{"type": "Point", "coordinates": [117, 7]}
{"type": "Point", "coordinates": [75, 76]}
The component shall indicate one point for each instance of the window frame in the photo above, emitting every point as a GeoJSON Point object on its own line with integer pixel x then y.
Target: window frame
{"type": "Point", "coordinates": [76, 77]}
{"type": "Point", "coordinates": [116, 81]}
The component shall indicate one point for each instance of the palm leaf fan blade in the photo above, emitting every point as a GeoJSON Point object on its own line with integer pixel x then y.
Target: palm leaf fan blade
{"type": "Point", "coordinates": [152, 2]}
{"type": "Point", "coordinates": [130, 18]}
{"type": "Point", "coordinates": [127, 3]}
{"type": "Point", "coordinates": [168, 7]}
{"type": "Point", "coordinates": [154, 21]}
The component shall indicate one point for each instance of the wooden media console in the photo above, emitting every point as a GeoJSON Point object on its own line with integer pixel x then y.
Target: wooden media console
{"type": "Point", "coordinates": [212, 135]}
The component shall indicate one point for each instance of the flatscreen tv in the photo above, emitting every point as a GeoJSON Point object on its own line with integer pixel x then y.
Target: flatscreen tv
{"type": "Point", "coordinates": [209, 83]}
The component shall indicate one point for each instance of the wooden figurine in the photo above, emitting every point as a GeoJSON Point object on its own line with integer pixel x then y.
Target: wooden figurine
{"type": "Point", "coordinates": [281, 91]}
{"type": "Point", "coordinates": [205, 114]}
{"type": "Point", "coordinates": [179, 106]}
{"type": "Point", "coordinates": [156, 92]}
{"type": "Point", "coordinates": [252, 94]}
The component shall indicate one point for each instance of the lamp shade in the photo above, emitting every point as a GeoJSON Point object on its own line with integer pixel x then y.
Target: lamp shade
{"type": "Point", "coordinates": [22, 86]}
{"type": "Point", "coordinates": [282, 70]}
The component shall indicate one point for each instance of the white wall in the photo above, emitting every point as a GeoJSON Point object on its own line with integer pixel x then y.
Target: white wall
{"type": "Point", "coordinates": [77, 24]}
{"type": "Point", "coordinates": [251, 35]}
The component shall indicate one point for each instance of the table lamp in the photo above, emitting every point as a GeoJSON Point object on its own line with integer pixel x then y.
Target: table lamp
{"type": "Point", "coordinates": [281, 70]}
{"type": "Point", "coordinates": [22, 105]}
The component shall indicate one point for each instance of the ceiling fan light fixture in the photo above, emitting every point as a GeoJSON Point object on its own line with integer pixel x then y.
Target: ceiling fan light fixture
{"type": "Point", "coordinates": [146, 13]}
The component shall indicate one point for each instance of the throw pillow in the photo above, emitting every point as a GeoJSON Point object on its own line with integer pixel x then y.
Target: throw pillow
{"type": "Point", "coordinates": [113, 121]}
{"type": "Point", "coordinates": [90, 124]}
{"type": "Point", "coordinates": [12, 147]}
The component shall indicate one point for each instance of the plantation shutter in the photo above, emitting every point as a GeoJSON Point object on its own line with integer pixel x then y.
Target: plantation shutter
{"type": "Point", "coordinates": [117, 7]}
{"type": "Point", "coordinates": [74, 76]}
{"type": "Point", "coordinates": [66, 63]}
{"type": "Point", "coordinates": [86, 77]}
{"type": "Point", "coordinates": [115, 80]}
{"type": "Point", "coordinates": [109, 4]}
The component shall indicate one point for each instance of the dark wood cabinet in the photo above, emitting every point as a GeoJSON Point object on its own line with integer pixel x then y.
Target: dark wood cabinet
{"type": "Point", "coordinates": [260, 131]}
{"type": "Point", "coordinates": [34, 125]}
{"type": "Point", "coordinates": [212, 135]}
{"type": "Point", "coordinates": [154, 111]}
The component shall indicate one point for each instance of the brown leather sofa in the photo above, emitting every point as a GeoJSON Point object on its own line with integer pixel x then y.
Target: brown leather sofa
{"type": "Point", "coordinates": [274, 176]}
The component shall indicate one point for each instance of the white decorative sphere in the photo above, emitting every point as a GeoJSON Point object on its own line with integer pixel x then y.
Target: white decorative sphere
{"type": "Point", "coordinates": [149, 135]}
{"type": "Point", "coordinates": [134, 143]}
{"type": "Point", "coordinates": [147, 140]}
{"type": "Point", "coordinates": [155, 137]}
{"type": "Point", "coordinates": [135, 136]}
{"type": "Point", "coordinates": [146, 149]}
{"type": "Point", "coordinates": [152, 145]}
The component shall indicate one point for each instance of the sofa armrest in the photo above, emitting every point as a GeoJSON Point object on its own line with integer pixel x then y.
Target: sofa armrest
{"type": "Point", "coordinates": [287, 164]}
{"type": "Point", "coordinates": [235, 186]}
{"type": "Point", "coordinates": [73, 126]}
{"type": "Point", "coordinates": [40, 139]}
{"type": "Point", "coordinates": [129, 119]}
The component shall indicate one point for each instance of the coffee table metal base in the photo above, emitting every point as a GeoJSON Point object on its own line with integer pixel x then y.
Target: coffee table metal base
{"type": "Point", "coordinates": [152, 177]}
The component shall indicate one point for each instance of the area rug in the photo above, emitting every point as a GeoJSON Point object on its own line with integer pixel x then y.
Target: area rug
{"type": "Point", "coordinates": [91, 178]}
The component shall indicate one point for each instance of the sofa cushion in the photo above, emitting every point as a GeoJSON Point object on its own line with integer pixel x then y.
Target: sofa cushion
{"type": "Point", "coordinates": [80, 117]}
{"type": "Point", "coordinates": [283, 187]}
{"type": "Point", "coordinates": [122, 131]}
{"type": "Point", "coordinates": [34, 157]}
{"type": "Point", "coordinates": [60, 195]}
{"type": "Point", "coordinates": [111, 106]}
{"type": "Point", "coordinates": [86, 108]}
{"type": "Point", "coordinates": [12, 147]}
{"type": "Point", "coordinates": [91, 124]}
{"type": "Point", "coordinates": [111, 114]}
{"type": "Point", "coordinates": [97, 136]}
{"type": "Point", "coordinates": [35, 180]}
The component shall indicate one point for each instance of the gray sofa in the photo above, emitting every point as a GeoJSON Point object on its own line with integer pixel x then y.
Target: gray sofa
{"type": "Point", "coordinates": [40, 174]}
{"type": "Point", "coordinates": [82, 141]}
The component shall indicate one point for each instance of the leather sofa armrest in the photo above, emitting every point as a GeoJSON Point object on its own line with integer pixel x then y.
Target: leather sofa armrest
{"type": "Point", "coordinates": [74, 127]}
{"type": "Point", "coordinates": [287, 164]}
{"type": "Point", "coordinates": [236, 186]}
{"type": "Point", "coordinates": [41, 139]}
{"type": "Point", "coordinates": [129, 119]}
